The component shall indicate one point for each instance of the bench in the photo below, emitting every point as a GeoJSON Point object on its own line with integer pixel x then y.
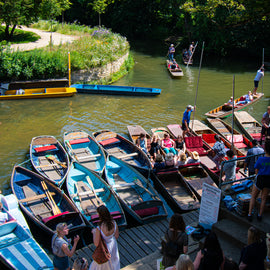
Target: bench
{"type": "Point", "coordinates": [81, 140]}
{"type": "Point", "coordinates": [109, 141]}
{"type": "Point", "coordinates": [195, 144]}
{"type": "Point", "coordinates": [238, 141]}
{"type": "Point", "coordinates": [128, 155]}
{"type": "Point", "coordinates": [45, 148]}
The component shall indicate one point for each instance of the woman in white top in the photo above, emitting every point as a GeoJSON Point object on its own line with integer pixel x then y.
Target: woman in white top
{"type": "Point", "coordinates": [108, 230]}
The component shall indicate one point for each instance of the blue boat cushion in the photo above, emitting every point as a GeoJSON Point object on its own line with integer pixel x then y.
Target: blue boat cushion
{"type": "Point", "coordinates": [45, 148]}
{"type": "Point", "coordinates": [82, 140]}
{"type": "Point", "coordinates": [7, 228]}
{"type": "Point", "coordinates": [109, 141]}
{"type": "Point", "coordinates": [113, 168]}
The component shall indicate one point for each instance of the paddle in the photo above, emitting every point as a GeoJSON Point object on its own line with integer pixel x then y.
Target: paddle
{"type": "Point", "coordinates": [54, 159]}
{"type": "Point", "coordinates": [55, 208]}
{"type": "Point", "coordinates": [92, 187]}
{"type": "Point", "coordinates": [71, 150]}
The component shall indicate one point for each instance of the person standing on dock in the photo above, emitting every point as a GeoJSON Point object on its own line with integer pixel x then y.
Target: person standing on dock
{"type": "Point", "coordinates": [259, 75]}
{"type": "Point", "coordinates": [186, 119]}
{"type": "Point", "coordinates": [62, 248]}
{"type": "Point", "coordinates": [265, 124]}
{"type": "Point", "coordinates": [171, 52]}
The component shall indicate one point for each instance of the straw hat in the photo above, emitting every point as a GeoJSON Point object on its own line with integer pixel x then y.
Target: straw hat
{"type": "Point", "coordinates": [195, 155]}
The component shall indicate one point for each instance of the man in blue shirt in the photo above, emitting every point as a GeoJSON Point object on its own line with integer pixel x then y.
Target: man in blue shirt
{"type": "Point", "coordinates": [186, 119]}
{"type": "Point", "coordinates": [259, 75]}
{"type": "Point", "coordinates": [250, 161]}
{"type": "Point", "coordinates": [171, 52]}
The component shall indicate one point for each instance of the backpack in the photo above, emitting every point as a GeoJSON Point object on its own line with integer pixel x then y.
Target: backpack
{"type": "Point", "coordinates": [171, 248]}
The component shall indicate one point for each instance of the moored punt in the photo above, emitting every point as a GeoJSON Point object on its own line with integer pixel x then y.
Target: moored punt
{"type": "Point", "coordinates": [226, 110]}
{"type": "Point", "coordinates": [160, 132]}
{"type": "Point", "coordinates": [45, 204]}
{"type": "Point", "coordinates": [120, 147]}
{"type": "Point", "coordinates": [49, 158]}
{"type": "Point", "coordinates": [19, 250]}
{"type": "Point", "coordinates": [82, 148]}
{"type": "Point", "coordinates": [208, 135]}
{"type": "Point", "coordinates": [248, 125]}
{"type": "Point", "coordinates": [175, 190]}
{"type": "Point", "coordinates": [116, 90]}
{"type": "Point", "coordinates": [134, 133]}
{"type": "Point", "coordinates": [175, 130]}
{"type": "Point", "coordinates": [240, 141]}
{"type": "Point", "coordinates": [88, 191]}
{"type": "Point", "coordinates": [134, 191]}
{"type": "Point", "coordinates": [195, 175]}
{"type": "Point", "coordinates": [174, 69]}
{"type": "Point", "coordinates": [38, 93]}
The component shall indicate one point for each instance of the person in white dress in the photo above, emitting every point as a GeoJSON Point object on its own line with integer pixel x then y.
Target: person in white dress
{"type": "Point", "coordinates": [108, 230]}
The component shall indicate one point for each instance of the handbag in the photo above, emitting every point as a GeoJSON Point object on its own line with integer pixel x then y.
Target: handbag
{"type": "Point", "coordinates": [101, 254]}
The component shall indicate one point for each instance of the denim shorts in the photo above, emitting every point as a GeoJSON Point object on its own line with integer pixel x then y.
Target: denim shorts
{"type": "Point", "coordinates": [61, 263]}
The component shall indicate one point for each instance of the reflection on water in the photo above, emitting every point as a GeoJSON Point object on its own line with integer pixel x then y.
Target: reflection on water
{"type": "Point", "coordinates": [23, 119]}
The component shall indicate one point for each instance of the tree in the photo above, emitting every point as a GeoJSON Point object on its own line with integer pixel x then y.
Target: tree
{"type": "Point", "coordinates": [100, 6]}
{"type": "Point", "coordinates": [17, 12]}
{"type": "Point", "coordinates": [64, 5]}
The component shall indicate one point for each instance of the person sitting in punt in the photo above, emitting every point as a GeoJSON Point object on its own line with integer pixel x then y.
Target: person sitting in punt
{"type": "Point", "coordinates": [170, 160]}
{"type": "Point", "coordinates": [183, 159]}
{"type": "Point", "coordinates": [141, 142]}
{"type": "Point", "coordinates": [159, 163]}
{"type": "Point", "coordinates": [180, 145]}
{"type": "Point", "coordinates": [230, 102]}
{"type": "Point", "coordinates": [194, 157]}
{"type": "Point", "coordinates": [155, 146]}
{"type": "Point", "coordinates": [246, 99]}
{"type": "Point", "coordinates": [168, 145]}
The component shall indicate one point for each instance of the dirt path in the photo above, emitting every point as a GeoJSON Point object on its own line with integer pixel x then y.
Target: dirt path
{"type": "Point", "coordinates": [44, 39]}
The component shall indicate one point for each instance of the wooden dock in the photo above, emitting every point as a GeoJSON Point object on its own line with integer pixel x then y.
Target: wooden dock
{"type": "Point", "coordinates": [139, 242]}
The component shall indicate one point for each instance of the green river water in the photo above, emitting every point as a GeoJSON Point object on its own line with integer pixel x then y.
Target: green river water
{"type": "Point", "coordinates": [20, 120]}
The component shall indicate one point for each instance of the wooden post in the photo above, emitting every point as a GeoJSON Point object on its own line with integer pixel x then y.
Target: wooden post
{"type": "Point", "coordinates": [233, 111]}
{"type": "Point", "coordinates": [69, 70]}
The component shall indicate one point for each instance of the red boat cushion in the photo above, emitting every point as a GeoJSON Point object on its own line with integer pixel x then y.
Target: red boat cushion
{"type": "Point", "coordinates": [45, 220]}
{"type": "Point", "coordinates": [240, 145]}
{"type": "Point", "coordinates": [256, 136]}
{"type": "Point", "coordinates": [209, 138]}
{"type": "Point", "coordinates": [190, 164]}
{"type": "Point", "coordinates": [242, 98]}
{"type": "Point", "coordinates": [147, 211]}
{"type": "Point", "coordinates": [236, 138]}
{"type": "Point", "coordinates": [109, 141]}
{"type": "Point", "coordinates": [201, 151]}
{"type": "Point", "coordinates": [45, 148]}
{"type": "Point", "coordinates": [82, 140]}
{"type": "Point", "coordinates": [192, 142]}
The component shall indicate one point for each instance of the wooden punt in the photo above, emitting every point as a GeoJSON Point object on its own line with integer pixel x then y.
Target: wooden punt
{"type": "Point", "coordinates": [175, 130]}
{"type": "Point", "coordinates": [120, 147]}
{"type": "Point", "coordinates": [187, 61]}
{"type": "Point", "coordinates": [248, 125]}
{"type": "Point", "coordinates": [135, 192]}
{"type": "Point", "coordinates": [82, 148]}
{"type": "Point", "coordinates": [176, 72]}
{"type": "Point", "coordinates": [134, 133]}
{"type": "Point", "coordinates": [49, 158]}
{"type": "Point", "coordinates": [38, 93]}
{"type": "Point", "coordinates": [45, 204]}
{"type": "Point", "coordinates": [175, 190]}
{"type": "Point", "coordinates": [240, 142]}
{"type": "Point", "coordinates": [160, 132]}
{"type": "Point", "coordinates": [200, 129]}
{"type": "Point", "coordinates": [224, 110]}
{"type": "Point", "coordinates": [88, 191]}
{"type": "Point", "coordinates": [195, 176]}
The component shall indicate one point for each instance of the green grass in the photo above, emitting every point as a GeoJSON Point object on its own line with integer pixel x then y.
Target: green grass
{"type": "Point", "coordinates": [19, 36]}
{"type": "Point", "coordinates": [96, 47]}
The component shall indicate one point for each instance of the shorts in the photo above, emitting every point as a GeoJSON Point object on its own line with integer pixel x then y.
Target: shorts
{"type": "Point", "coordinates": [265, 130]}
{"type": "Point", "coordinates": [61, 263]}
{"type": "Point", "coordinates": [184, 127]}
{"type": "Point", "coordinates": [262, 181]}
{"type": "Point", "coordinates": [256, 83]}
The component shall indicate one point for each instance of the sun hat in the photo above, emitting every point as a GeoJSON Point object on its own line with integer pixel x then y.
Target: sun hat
{"type": "Point", "coordinates": [195, 155]}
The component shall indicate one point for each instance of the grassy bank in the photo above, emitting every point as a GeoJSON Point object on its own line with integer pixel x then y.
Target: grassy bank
{"type": "Point", "coordinates": [95, 47]}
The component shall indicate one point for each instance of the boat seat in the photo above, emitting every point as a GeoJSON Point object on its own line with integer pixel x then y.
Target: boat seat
{"type": "Point", "coordinates": [109, 141]}
{"type": "Point", "coordinates": [147, 212]}
{"type": "Point", "coordinates": [45, 220]}
{"type": "Point", "coordinates": [81, 140]}
{"type": "Point", "coordinates": [115, 215]}
{"type": "Point", "coordinates": [256, 136]}
{"type": "Point", "coordinates": [195, 144]}
{"type": "Point", "coordinates": [238, 141]}
{"type": "Point", "coordinates": [45, 148]}
{"type": "Point", "coordinates": [113, 167]}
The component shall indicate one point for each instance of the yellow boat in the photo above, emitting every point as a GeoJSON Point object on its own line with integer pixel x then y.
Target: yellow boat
{"type": "Point", "coordinates": [38, 93]}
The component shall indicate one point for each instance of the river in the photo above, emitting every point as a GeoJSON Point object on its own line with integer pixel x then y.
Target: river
{"type": "Point", "coordinates": [20, 120]}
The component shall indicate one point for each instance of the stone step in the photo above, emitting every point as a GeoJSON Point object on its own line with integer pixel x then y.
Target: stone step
{"type": "Point", "coordinates": [233, 231]}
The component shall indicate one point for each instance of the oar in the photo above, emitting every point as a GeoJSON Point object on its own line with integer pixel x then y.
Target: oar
{"type": "Point", "coordinates": [92, 187]}
{"type": "Point", "coordinates": [54, 159]}
{"type": "Point", "coordinates": [71, 150]}
{"type": "Point", "coordinates": [55, 208]}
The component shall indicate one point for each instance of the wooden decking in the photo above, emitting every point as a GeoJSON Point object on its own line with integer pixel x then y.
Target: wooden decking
{"type": "Point", "coordinates": [139, 242]}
